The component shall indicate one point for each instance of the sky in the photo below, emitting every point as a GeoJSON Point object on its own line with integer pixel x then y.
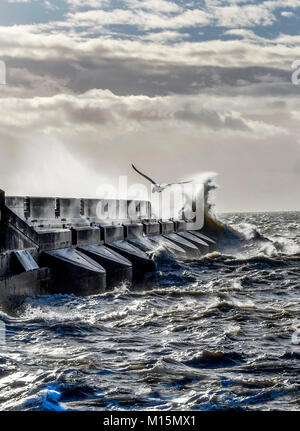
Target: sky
{"type": "Point", "coordinates": [176, 87]}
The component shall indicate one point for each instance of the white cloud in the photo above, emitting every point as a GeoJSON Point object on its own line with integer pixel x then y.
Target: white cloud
{"type": "Point", "coordinates": [77, 4]}
{"type": "Point", "coordinates": [35, 45]}
{"type": "Point", "coordinates": [165, 36]}
{"type": "Point", "coordinates": [76, 104]}
{"type": "Point", "coordinates": [160, 6]}
{"type": "Point", "coordinates": [244, 16]}
{"type": "Point", "coordinates": [98, 108]}
{"type": "Point", "coordinates": [287, 14]}
{"type": "Point", "coordinates": [140, 18]}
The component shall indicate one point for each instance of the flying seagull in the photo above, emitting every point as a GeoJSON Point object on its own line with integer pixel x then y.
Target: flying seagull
{"type": "Point", "coordinates": [158, 187]}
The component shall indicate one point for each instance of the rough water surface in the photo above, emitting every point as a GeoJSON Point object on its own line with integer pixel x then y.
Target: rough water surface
{"type": "Point", "coordinates": [220, 332]}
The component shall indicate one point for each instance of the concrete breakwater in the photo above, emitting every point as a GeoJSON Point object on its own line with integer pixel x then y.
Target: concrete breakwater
{"type": "Point", "coordinates": [61, 245]}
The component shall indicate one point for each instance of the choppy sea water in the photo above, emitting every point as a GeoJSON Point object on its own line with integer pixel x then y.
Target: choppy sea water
{"type": "Point", "coordinates": [221, 332]}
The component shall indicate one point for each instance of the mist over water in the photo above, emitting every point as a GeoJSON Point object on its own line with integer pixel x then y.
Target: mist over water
{"type": "Point", "coordinates": [220, 332]}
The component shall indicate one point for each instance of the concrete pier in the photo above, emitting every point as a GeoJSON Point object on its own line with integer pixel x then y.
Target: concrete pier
{"type": "Point", "coordinates": [15, 288]}
{"type": "Point", "coordinates": [2, 218]}
{"type": "Point", "coordinates": [24, 262]}
{"type": "Point", "coordinates": [180, 225]}
{"type": "Point", "coordinates": [170, 246]}
{"type": "Point", "coordinates": [118, 268]}
{"type": "Point", "coordinates": [212, 244]}
{"type": "Point", "coordinates": [143, 243]}
{"type": "Point", "coordinates": [198, 242]}
{"type": "Point", "coordinates": [112, 233]}
{"type": "Point", "coordinates": [151, 228]}
{"type": "Point", "coordinates": [191, 250]}
{"type": "Point", "coordinates": [166, 227]}
{"type": "Point", "coordinates": [74, 272]}
{"type": "Point", "coordinates": [84, 235]}
{"type": "Point", "coordinates": [140, 261]}
{"type": "Point", "coordinates": [84, 246]}
{"type": "Point", "coordinates": [133, 230]}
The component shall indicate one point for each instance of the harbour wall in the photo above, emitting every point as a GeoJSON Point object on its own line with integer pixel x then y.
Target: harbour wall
{"type": "Point", "coordinates": [82, 246]}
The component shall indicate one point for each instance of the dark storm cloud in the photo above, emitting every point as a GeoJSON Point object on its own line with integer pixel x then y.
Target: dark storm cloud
{"type": "Point", "coordinates": [53, 76]}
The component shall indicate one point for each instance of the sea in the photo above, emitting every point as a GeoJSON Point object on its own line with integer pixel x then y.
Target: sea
{"type": "Point", "coordinates": [221, 332]}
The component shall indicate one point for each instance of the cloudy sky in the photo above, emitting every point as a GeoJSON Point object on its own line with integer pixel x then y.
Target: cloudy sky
{"type": "Point", "coordinates": [177, 87]}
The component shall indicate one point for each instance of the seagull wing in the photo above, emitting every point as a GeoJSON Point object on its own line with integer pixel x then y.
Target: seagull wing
{"type": "Point", "coordinates": [143, 175]}
{"type": "Point", "coordinates": [173, 184]}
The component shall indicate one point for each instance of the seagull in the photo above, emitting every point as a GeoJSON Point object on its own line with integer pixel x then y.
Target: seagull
{"type": "Point", "coordinates": [158, 187]}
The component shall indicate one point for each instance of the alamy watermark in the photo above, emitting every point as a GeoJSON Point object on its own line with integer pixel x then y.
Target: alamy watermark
{"type": "Point", "coordinates": [296, 74]}
{"type": "Point", "coordinates": [178, 201]}
{"type": "Point", "coordinates": [2, 73]}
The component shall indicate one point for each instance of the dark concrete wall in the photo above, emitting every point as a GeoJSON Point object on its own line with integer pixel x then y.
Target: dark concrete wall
{"type": "Point", "coordinates": [98, 209]}
{"type": "Point", "coordinates": [138, 210]}
{"type": "Point", "coordinates": [119, 209]}
{"type": "Point", "coordinates": [134, 230]}
{"type": "Point", "coordinates": [18, 234]}
{"type": "Point", "coordinates": [180, 225]}
{"type": "Point", "coordinates": [2, 222]}
{"type": "Point", "coordinates": [112, 233]}
{"type": "Point", "coordinates": [5, 259]}
{"type": "Point", "coordinates": [72, 278]}
{"type": "Point", "coordinates": [56, 239]}
{"type": "Point", "coordinates": [42, 208]}
{"type": "Point", "coordinates": [69, 208]}
{"type": "Point", "coordinates": [151, 228]}
{"type": "Point", "coordinates": [15, 289]}
{"type": "Point", "coordinates": [141, 262]}
{"type": "Point", "coordinates": [86, 236]}
{"type": "Point", "coordinates": [2, 203]}
{"type": "Point", "coordinates": [166, 227]}
{"type": "Point", "coordinates": [90, 207]}
{"type": "Point", "coordinates": [16, 240]}
{"type": "Point", "coordinates": [16, 204]}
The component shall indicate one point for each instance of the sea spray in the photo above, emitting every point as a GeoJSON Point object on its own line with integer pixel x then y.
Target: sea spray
{"type": "Point", "coordinates": [212, 226]}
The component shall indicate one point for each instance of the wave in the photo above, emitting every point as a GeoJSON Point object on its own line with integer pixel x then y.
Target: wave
{"type": "Point", "coordinates": [248, 239]}
{"type": "Point", "coordinates": [211, 359]}
{"type": "Point", "coordinates": [245, 237]}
